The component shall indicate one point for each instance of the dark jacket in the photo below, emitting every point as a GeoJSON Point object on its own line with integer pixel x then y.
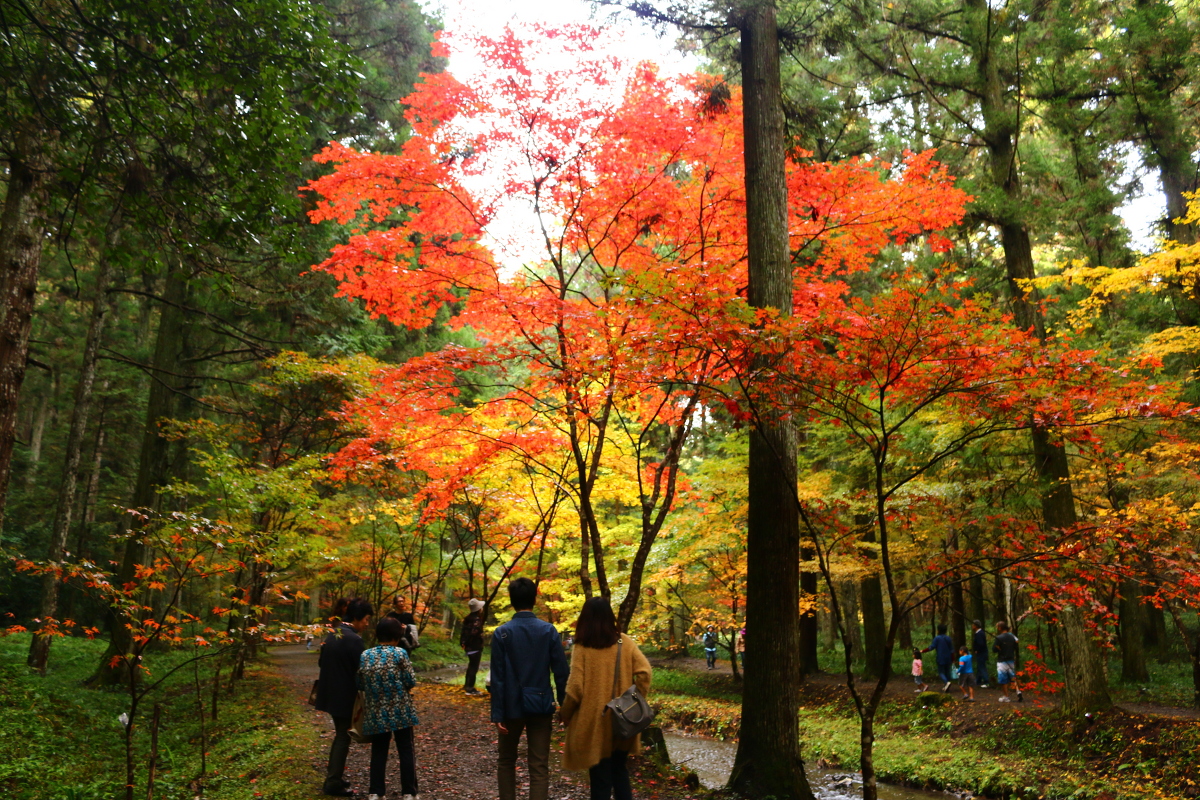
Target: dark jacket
{"type": "Point", "coordinates": [339, 668]}
{"type": "Point", "coordinates": [979, 645]}
{"type": "Point", "coordinates": [525, 650]}
{"type": "Point", "coordinates": [943, 648]}
{"type": "Point", "coordinates": [471, 637]}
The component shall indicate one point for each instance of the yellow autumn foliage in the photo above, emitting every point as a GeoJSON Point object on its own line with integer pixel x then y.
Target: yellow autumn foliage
{"type": "Point", "coordinates": [1174, 267]}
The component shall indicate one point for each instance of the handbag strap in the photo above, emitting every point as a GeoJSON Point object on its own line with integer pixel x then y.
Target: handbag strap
{"type": "Point", "coordinates": [617, 672]}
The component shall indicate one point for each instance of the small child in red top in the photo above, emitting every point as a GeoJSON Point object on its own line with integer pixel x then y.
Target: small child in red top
{"type": "Point", "coordinates": [918, 671]}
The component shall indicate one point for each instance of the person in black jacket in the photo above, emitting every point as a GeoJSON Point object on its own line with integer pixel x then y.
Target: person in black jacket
{"type": "Point", "coordinates": [337, 689]}
{"type": "Point", "coordinates": [471, 640]}
{"type": "Point", "coordinates": [525, 650]}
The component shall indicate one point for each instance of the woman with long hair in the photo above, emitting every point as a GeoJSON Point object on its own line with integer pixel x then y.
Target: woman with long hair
{"type": "Point", "coordinates": [596, 678]}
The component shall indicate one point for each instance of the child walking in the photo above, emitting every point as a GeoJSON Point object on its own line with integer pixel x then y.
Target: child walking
{"type": "Point", "coordinates": [918, 671]}
{"type": "Point", "coordinates": [966, 674]}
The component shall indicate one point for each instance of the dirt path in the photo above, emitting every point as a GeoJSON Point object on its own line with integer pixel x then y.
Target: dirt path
{"type": "Point", "coordinates": [455, 746]}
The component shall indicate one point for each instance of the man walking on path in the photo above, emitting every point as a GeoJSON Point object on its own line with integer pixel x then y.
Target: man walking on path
{"type": "Point", "coordinates": [980, 652]}
{"type": "Point", "coordinates": [471, 640]}
{"type": "Point", "coordinates": [1006, 662]}
{"type": "Point", "coordinates": [943, 647]}
{"type": "Point", "coordinates": [710, 647]}
{"type": "Point", "coordinates": [336, 689]}
{"type": "Point", "coordinates": [525, 650]}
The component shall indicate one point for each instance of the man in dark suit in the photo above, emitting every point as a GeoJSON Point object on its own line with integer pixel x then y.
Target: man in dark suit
{"type": "Point", "coordinates": [336, 689]}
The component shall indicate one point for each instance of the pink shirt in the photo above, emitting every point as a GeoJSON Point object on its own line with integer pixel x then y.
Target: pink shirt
{"type": "Point", "coordinates": [918, 667]}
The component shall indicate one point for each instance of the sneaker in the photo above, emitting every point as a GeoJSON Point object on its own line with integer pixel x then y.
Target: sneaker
{"type": "Point", "coordinates": [1020, 697]}
{"type": "Point", "coordinates": [946, 688]}
{"type": "Point", "coordinates": [1005, 698]}
{"type": "Point", "coordinates": [374, 797]}
{"type": "Point", "coordinates": [916, 691]}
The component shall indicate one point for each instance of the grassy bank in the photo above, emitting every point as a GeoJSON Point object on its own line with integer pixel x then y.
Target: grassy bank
{"type": "Point", "coordinates": [60, 740]}
{"type": "Point", "coordinates": [1029, 752]}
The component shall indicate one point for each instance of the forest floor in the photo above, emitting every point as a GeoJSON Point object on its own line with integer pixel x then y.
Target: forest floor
{"type": "Point", "coordinates": [455, 746]}
{"type": "Point", "coordinates": [826, 688]}
{"type": "Point", "coordinates": [934, 740]}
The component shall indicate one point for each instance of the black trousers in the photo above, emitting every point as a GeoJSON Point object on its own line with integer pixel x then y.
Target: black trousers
{"type": "Point", "coordinates": [340, 748]}
{"type": "Point", "coordinates": [610, 778]}
{"type": "Point", "coordinates": [472, 669]}
{"type": "Point", "coordinates": [379, 759]}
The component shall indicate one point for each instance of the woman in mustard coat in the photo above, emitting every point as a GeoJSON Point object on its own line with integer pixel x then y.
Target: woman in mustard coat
{"type": "Point", "coordinates": [594, 681]}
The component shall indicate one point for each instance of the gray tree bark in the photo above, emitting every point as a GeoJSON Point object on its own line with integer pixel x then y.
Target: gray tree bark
{"type": "Point", "coordinates": [768, 759]}
{"type": "Point", "coordinates": [22, 231]}
{"type": "Point", "coordinates": [1086, 685]}
{"type": "Point", "coordinates": [166, 382]}
{"type": "Point", "coordinates": [39, 646]}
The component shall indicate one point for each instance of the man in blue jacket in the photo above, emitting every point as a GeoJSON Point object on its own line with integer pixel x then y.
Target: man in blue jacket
{"type": "Point", "coordinates": [525, 650]}
{"type": "Point", "coordinates": [943, 647]}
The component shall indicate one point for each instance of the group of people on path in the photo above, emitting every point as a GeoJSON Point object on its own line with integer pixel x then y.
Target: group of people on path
{"type": "Point", "coordinates": [969, 666]}
{"type": "Point", "coordinates": [525, 653]}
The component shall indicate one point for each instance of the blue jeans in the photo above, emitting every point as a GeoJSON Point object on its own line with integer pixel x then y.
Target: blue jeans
{"type": "Point", "coordinates": [944, 671]}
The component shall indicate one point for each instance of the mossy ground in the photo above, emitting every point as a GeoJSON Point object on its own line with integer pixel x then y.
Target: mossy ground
{"type": "Point", "coordinates": [61, 740]}
{"type": "Point", "coordinates": [1025, 750]}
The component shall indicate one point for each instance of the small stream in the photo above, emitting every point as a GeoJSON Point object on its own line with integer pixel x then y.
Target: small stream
{"type": "Point", "coordinates": [712, 761]}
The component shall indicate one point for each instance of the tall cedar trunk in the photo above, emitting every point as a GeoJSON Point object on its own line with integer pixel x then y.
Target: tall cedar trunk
{"type": "Point", "coordinates": [768, 757]}
{"type": "Point", "coordinates": [1133, 625]}
{"type": "Point", "coordinates": [809, 630]}
{"type": "Point", "coordinates": [22, 229]}
{"type": "Point", "coordinates": [958, 615]}
{"type": "Point", "coordinates": [978, 609]}
{"type": "Point", "coordinates": [998, 598]}
{"type": "Point", "coordinates": [154, 457]}
{"type": "Point", "coordinates": [848, 598]}
{"type": "Point", "coordinates": [39, 646]}
{"type": "Point", "coordinates": [1086, 687]}
{"type": "Point", "coordinates": [38, 429]}
{"type": "Point", "coordinates": [874, 619]}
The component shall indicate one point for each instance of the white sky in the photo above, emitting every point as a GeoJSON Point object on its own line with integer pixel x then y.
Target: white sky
{"type": "Point", "coordinates": [638, 41]}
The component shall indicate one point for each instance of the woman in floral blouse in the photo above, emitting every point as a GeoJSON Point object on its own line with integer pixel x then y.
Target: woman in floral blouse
{"type": "Point", "coordinates": [386, 678]}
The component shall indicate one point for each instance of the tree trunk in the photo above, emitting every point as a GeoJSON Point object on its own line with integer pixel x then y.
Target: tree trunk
{"type": "Point", "coordinates": [154, 459]}
{"type": "Point", "coordinates": [38, 429]}
{"type": "Point", "coordinates": [22, 231]}
{"type": "Point", "coordinates": [1086, 687]}
{"type": "Point", "coordinates": [39, 646]}
{"type": "Point", "coordinates": [768, 757]}
{"type": "Point", "coordinates": [874, 619]}
{"type": "Point", "coordinates": [958, 615]}
{"type": "Point", "coordinates": [978, 608]}
{"type": "Point", "coordinates": [1133, 624]}
{"type": "Point", "coordinates": [809, 630]}
{"type": "Point", "coordinates": [848, 596]}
